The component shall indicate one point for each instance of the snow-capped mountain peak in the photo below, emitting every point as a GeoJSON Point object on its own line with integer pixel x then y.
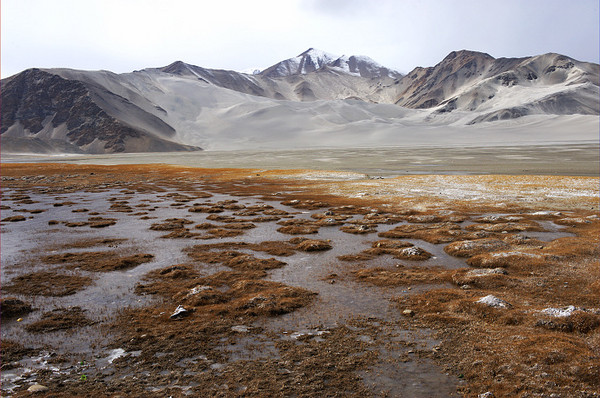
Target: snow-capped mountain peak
{"type": "Point", "coordinates": [317, 57]}
{"type": "Point", "coordinates": [313, 60]}
{"type": "Point", "coordinates": [310, 60]}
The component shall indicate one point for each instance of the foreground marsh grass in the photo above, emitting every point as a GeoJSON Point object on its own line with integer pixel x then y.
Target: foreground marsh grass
{"type": "Point", "coordinates": [532, 240]}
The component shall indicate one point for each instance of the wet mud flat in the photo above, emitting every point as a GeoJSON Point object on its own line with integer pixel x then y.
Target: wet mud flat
{"type": "Point", "coordinates": [558, 158]}
{"type": "Point", "coordinates": [170, 281]}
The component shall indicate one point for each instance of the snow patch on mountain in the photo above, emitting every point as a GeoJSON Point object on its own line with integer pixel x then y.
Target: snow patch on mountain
{"type": "Point", "coordinates": [314, 60]}
{"type": "Point", "coordinates": [309, 61]}
{"type": "Point", "coordinates": [251, 71]}
{"type": "Point", "coordinates": [363, 66]}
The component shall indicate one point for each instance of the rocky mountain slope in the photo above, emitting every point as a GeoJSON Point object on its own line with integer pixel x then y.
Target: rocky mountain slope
{"type": "Point", "coordinates": [312, 75]}
{"type": "Point", "coordinates": [44, 112]}
{"type": "Point", "coordinates": [313, 99]}
{"type": "Point", "coordinates": [502, 88]}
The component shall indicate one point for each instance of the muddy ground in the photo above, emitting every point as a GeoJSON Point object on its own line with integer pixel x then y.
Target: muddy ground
{"type": "Point", "coordinates": [170, 281]}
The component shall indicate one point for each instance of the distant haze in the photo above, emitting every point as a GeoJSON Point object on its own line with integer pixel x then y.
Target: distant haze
{"type": "Point", "coordinates": [122, 36]}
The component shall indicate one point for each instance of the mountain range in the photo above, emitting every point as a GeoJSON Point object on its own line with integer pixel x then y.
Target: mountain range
{"type": "Point", "coordinates": [313, 99]}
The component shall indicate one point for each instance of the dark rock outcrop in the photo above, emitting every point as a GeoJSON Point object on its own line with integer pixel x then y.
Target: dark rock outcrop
{"type": "Point", "coordinates": [36, 103]}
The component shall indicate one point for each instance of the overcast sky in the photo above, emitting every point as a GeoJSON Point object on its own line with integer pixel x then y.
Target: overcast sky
{"type": "Point", "coordinates": [125, 35]}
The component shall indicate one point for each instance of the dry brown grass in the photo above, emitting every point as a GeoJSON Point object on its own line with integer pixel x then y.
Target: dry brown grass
{"type": "Point", "coordinates": [11, 307]}
{"type": "Point", "coordinates": [102, 261]}
{"type": "Point", "coordinates": [94, 242]}
{"type": "Point", "coordinates": [59, 319]}
{"type": "Point", "coordinates": [469, 248]}
{"type": "Point", "coordinates": [313, 245]}
{"type": "Point", "coordinates": [432, 233]}
{"type": "Point", "coordinates": [47, 283]}
{"type": "Point", "coordinates": [507, 351]}
{"type": "Point", "coordinates": [515, 351]}
{"type": "Point", "coordinates": [299, 229]}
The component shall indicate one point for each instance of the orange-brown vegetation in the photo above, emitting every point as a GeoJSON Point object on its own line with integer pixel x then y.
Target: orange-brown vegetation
{"type": "Point", "coordinates": [520, 348]}
{"type": "Point", "coordinates": [47, 283]}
